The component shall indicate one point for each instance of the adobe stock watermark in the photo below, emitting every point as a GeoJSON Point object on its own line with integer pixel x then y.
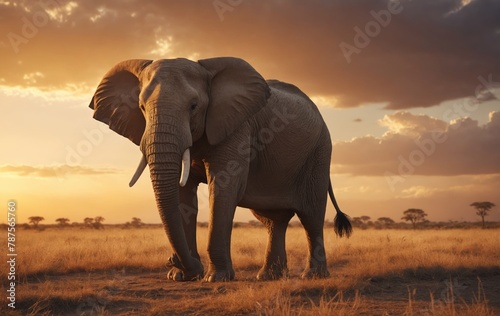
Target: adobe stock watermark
{"type": "Point", "coordinates": [425, 147]}
{"type": "Point", "coordinates": [76, 153]}
{"type": "Point", "coordinates": [451, 291]}
{"type": "Point", "coordinates": [11, 281]}
{"type": "Point", "coordinates": [30, 25]}
{"type": "Point", "coordinates": [258, 143]}
{"type": "Point", "coordinates": [91, 139]}
{"type": "Point", "coordinates": [319, 254]}
{"type": "Point", "coordinates": [222, 7]}
{"type": "Point", "coordinates": [373, 28]}
{"type": "Point", "coordinates": [233, 168]}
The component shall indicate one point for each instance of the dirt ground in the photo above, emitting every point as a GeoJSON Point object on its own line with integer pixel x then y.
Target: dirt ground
{"type": "Point", "coordinates": [149, 293]}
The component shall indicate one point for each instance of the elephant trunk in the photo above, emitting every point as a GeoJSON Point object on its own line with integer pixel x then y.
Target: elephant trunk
{"type": "Point", "coordinates": [162, 149]}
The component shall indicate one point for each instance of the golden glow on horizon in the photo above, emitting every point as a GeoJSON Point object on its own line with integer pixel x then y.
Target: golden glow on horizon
{"type": "Point", "coordinates": [51, 70]}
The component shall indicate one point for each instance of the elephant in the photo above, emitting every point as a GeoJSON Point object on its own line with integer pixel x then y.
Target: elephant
{"type": "Point", "coordinates": [257, 144]}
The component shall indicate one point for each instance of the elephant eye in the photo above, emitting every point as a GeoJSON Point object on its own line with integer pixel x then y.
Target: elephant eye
{"type": "Point", "coordinates": [194, 105]}
{"type": "Point", "coordinates": [142, 107]}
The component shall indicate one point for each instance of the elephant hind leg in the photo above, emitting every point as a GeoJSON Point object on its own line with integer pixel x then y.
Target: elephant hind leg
{"type": "Point", "coordinates": [276, 222]}
{"type": "Point", "coordinates": [316, 267]}
{"type": "Point", "coordinates": [311, 213]}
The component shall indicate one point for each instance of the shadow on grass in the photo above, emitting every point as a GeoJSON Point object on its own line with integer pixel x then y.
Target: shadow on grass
{"type": "Point", "coordinates": [111, 292]}
{"type": "Point", "coordinates": [85, 305]}
{"type": "Point", "coordinates": [437, 285]}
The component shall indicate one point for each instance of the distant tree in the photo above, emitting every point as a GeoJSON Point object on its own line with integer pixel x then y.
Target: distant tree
{"type": "Point", "coordinates": [254, 223]}
{"type": "Point", "coordinates": [482, 209]}
{"type": "Point", "coordinates": [357, 221]}
{"type": "Point", "coordinates": [62, 221]}
{"type": "Point", "coordinates": [386, 221]}
{"type": "Point", "coordinates": [365, 219]}
{"type": "Point", "coordinates": [98, 222]}
{"type": "Point", "coordinates": [414, 215]}
{"type": "Point", "coordinates": [88, 221]}
{"type": "Point", "coordinates": [136, 222]}
{"type": "Point", "coordinates": [35, 220]}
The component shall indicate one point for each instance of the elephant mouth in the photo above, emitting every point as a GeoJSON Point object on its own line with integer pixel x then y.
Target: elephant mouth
{"type": "Point", "coordinates": [186, 164]}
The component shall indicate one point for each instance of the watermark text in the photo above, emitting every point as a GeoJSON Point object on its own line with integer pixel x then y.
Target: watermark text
{"type": "Point", "coordinates": [11, 254]}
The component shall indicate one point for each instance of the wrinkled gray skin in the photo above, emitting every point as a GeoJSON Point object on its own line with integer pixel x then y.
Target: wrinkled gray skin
{"type": "Point", "coordinates": [257, 144]}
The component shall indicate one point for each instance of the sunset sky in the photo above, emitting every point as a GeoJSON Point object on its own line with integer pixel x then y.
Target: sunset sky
{"type": "Point", "coordinates": [409, 91]}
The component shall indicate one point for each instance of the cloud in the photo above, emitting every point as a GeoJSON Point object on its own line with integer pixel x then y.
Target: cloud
{"type": "Point", "coordinates": [325, 101]}
{"type": "Point", "coordinates": [54, 171]}
{"type": "Point", "coordinates": [31, 78]}
{"type": "Point", "coordinates": [162, 46]}
{"type": "Point", "coordinates": [428, 52]}
{"type": "Point", "coordinates": [406, 123]}
{"type": "Point", "coordinates": [422, 145]}
{"type": "Point", "coordinates": [69, 92]}
{"type": "Point", "coordinates": [421, 191]}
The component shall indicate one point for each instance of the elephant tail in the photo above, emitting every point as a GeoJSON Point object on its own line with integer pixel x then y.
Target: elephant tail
{"type": "Point", "coordinates": [341, 223]}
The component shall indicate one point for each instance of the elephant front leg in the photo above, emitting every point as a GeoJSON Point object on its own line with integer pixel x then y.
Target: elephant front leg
{"type": "Point", "coordinates": [219, 243]}
{"type": "Point", "coordinates": [225, 190]}
{"type": "Point", "coordinates": [189, 211]}
{"type": "Point", "coordinates": [227, 173]}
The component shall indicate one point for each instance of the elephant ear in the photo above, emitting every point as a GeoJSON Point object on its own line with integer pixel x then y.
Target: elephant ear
{"type": "Point", "coordinates": [237, 92]}
{"type": "Point", "coordinates": [116, 100]}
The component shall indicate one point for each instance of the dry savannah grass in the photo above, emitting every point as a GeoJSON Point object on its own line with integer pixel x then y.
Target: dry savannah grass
{"type": "Point", "coordinates": [375, 272]}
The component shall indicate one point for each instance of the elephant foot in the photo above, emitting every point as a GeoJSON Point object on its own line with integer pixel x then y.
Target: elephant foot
{"type": "Point", "coordinates": [219, 276]}
{"type": "Point", "coordinates": [268, 273]}
{"type": "Point", "coordinates": [178, 273]}
{"type": "Point", "coordinates": [318, 272]}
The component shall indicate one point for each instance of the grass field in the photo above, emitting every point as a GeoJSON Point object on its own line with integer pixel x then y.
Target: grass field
{"type": "Point", "coordinates": [375, 272]}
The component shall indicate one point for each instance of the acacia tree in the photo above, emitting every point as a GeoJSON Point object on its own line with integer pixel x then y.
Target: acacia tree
{"type": "Point", "coordinates": [98, 222]}
{"type": "Point", "coordinates": [35, 220]}
{"type": "Point", "coordinates": [62, 221]}
{"type": "Point", "coordinates": [386, 221]}
{"type": "Point", "coordinates": [482, 209]}
{"type": "Point", "coordinates": [365, 219]}
{"type": "Point", "coordinates": [356, 221]}
{"type": "Point", "coordinates": [414, 215]}
{"type": "Point", "coordinates": [88, 221]}
{"type": "Point", "coordinates": [136, 222]}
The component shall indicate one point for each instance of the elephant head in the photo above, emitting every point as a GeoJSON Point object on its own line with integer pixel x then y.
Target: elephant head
{"type": "Point", "coordinates": [165, 106]}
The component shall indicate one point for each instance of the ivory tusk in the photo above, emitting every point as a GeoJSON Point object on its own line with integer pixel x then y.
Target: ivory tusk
{"type": "Point", "coordinates": [140, 168]}
{"type": "Point", "coordinates": [186, 164]}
